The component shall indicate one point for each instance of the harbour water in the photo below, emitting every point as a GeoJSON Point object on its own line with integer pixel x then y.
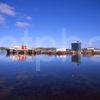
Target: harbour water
{"type": "Point", "coordinates": [43, 77]}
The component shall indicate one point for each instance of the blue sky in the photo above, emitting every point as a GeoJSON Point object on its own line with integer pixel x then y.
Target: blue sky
{"type": "Point", "coordinates": [50, 21]}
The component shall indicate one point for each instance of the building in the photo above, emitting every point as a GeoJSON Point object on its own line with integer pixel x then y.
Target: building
{"type": "Point", "coordinates": [61, 50]}
{"type": "Point", "coordinates": [97, 50]}
{"type": "Point", "coordinates": [76, 46]}
{"type": "Point", "coordinates": [90, 48]}
{"type": "Point", "coordinates": [93, 49]}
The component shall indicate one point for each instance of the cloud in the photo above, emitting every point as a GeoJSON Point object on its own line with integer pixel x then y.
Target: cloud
{"type": "Point", "coordinates": [7, 9]}
{"type": "Point", "coordinates": [29, 18]}
{"type": "Point", "coordinates": [23, 24]}
{"type": "Point", "coordinates": [2, 19]}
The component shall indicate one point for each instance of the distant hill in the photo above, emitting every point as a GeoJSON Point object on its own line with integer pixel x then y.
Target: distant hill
{"type": "Point", "coordinates": [3, 48]}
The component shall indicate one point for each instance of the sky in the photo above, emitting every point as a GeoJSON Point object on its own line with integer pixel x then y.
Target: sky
{"type": "Point", "coordinates": [50, 23]}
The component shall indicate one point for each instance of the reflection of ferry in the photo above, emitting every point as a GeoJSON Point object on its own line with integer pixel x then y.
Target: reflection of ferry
{"type": "Point", "coordinates": [20, 57]}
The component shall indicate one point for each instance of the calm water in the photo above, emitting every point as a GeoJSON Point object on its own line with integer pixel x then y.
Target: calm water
{"type": "Point", "coordinates": [49, 77]}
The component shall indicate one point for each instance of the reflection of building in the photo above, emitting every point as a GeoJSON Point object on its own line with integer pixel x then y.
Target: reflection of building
{"type": "Point", "coordinates": [61, 56]}
{"type": "Point", "coordinates": [76, 46]}
{"type": "Point", "coordinates": [76, 59]}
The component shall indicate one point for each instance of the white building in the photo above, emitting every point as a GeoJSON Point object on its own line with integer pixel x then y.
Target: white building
{"type": "Point", "coordinates": [61, 49]}
{"type": "Point", "coordinates": [90, 48]}
{"type": "Point", "coordinates": [94, 49]}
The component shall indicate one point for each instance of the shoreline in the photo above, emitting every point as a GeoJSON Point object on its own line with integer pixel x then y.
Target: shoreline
{"type": "Point", "coordinates": [50, 52]}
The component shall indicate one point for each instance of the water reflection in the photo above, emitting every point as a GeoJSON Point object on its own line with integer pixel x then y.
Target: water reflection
{"type": "Point", "coordinates": [76, 59]}
{"type": "Point", "coordinates": [23, 57]}
{"type": "Point", "coordinates": [20, 57]}
{"type": "Point", "coordinates": [57, 80]}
